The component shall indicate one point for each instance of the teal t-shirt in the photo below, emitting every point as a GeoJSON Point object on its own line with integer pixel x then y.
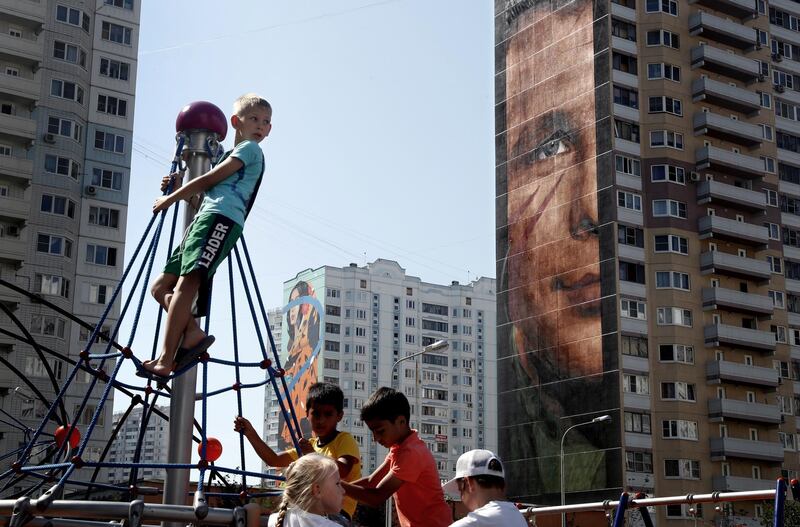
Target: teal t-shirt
{"type": "Point", "coordinates": [232, 196]}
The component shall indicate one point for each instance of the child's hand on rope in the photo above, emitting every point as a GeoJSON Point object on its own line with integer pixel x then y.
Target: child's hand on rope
{"type": "Point", "coordinates": [162, 203]}
{"type": "Point", "coordinates": [176, 178]}
{"type": "Point", "coordinates": [240, 424]}
{"type": "Point", "coordinates": [305, 446]}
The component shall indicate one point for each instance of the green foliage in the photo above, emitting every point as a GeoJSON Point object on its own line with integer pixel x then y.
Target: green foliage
{"type": "Point", "coordinates": [791, 514]}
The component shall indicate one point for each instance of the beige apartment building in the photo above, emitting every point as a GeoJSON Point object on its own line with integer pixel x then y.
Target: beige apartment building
{"type": "Point", "coordinates": [663, 138]}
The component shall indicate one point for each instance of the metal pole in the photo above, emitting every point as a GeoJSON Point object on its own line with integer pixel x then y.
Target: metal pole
{"type": "Point", "coordinates": [561, 459]}
{"type": "Point", "coordinates": [181, 409]}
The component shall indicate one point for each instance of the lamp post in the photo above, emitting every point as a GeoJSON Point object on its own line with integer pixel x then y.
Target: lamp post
{"type": "Point", "coordinates": [434, 346]}
{"type": "Point", "coordinates": [600, 419]}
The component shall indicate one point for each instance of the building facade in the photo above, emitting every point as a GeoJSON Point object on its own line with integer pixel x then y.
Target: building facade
{"type": "Point", "coordinates": [361, 321]}
{"type": "Point", "coordinates": [648, 172]}
{"type": "Point", "coordinates": [154, 445]}
{"type": "Point", "coordinates": [67, 90]}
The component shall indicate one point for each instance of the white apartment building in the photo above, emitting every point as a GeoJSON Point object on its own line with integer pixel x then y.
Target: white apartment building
{"type": "Point", "coordinates": [67, 90]}
{"type": "Point", "coordinates": [376, 315]}
{"type": "Point", "coordinates": [154, 445]}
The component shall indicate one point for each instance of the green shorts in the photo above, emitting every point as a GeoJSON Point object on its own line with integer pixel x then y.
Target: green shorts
{"type": "Point", "coordinates": [207, 242]}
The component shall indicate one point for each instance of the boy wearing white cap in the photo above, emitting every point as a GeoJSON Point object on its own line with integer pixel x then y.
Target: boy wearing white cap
{"type": "Point", "coordinates": [481, 483]}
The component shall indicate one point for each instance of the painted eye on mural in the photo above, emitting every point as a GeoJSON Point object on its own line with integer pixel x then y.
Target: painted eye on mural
{"type": "Point", "coordinates": [558, 143]}
{"type": "Point", "coordinates": [584, 229]}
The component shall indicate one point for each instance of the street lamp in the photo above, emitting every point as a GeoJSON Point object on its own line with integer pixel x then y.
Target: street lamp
{"type": "Point", "coordinates": [600, 419]}
{"type": "Point", "coordinates": [439, 345]}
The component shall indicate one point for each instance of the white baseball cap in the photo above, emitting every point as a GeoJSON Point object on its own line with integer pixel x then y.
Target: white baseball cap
{"type": "Point", "coordinates": [474, 463]}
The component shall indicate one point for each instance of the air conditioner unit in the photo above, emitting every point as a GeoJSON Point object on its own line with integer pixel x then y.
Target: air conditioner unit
{"type": "Point", "coordinates": [779, 88]}
{"type": "Point", "coordinates": [49, 138]}
{"type": "Point", "coordinates": [777, 57]}
{"type": "Point", "coordinates": [12, 230]}
{"type": "Point", "coordinates": [694, 176]}
{"type": "Point", "coordinates": [761, 78]}
{"type": "Point", "coordinates": [91, 190]}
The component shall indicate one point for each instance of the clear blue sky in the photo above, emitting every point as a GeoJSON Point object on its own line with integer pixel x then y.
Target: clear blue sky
{"type": "Point", "coordinates": [382, 143]}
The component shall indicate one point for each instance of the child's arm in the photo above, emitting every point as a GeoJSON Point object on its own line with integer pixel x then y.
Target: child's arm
{"type": "Point", "coordinates": [374, 497]}
{"type": "Point", "coordinates": [240, 424]}
{"type": "Point", "coordinates": [345, 464]}
{"type": "Point", "coordinates": [200, 184]}
{"type": "Point", "coordinates": [373, 479]}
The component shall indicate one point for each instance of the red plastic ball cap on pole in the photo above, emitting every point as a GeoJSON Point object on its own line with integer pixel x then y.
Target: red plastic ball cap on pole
{"type": "Point", "coordinates": [202, 115]}
{"type": "Point", "coordinates": [213, 449]}
{"type": "Point", "coordinates": [61, 436]}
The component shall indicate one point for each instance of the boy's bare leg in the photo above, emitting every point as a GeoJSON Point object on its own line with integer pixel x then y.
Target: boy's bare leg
{"type": "Point", "coordinates": [179, 316]}
{"type": "Point", "coordinates": [163, 289]}
{"type": "Point", "coordinates": [253, 515]}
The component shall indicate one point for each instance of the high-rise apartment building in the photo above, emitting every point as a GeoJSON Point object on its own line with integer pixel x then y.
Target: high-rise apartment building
{"type": "Point", "coordinates": [648, 175]}
{"type": "Point", "coordinates": [271, 408]}
{"type": "Point", "coordinates": [67, 86]}
{"type": "Point", "coordinates": [153, 448]}
{"type": "Point", "coordinates": [363, 320]}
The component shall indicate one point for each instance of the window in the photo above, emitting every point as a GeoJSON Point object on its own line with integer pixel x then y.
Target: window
{"type": "Point", "coordinates": [112, 105]}
{"type": "Point", "coordinates": [66, 90]}
{"type": "Point", "coordinates": [679, 429]}
{"type": "Point", "coordinates": [637, 423]}
{"type": "Point", "coordinates": [98, 294]}
{"type": "Point", "coordinates": [627, 165]}
{"type": "Point", "coordinates": [629, 200]}
{"type": "Point", "coordinates": [332, 364]}
{"type": "Point", "coordinates": [64, 127]}
{"type": "Point", "coordinates": [634, 346]}
{"type": "Point", "coordinates": [778, 299]}
{"type": "Point", "coordinates": [779, 332]}
{"type": "Point", "coordinates": [662, 70]}
{"type": "Point", "coordinates": [101, 255]}
{"type": "Point", "coordinates": [780, 78]}
{"type": "Point", "coordinates": [663, 6]}
{"type": "Point", "coordinates": [775, 264]}
{"type": "Point", "coordinates": [676, 353]}
{"type": "Point", "coordinates": [630, 236]}
{"type": "Point", "coordinates": [662, 37]}
{"type": "Point", "coordinates": [635, 384]}
{"type": "Point", "coordinates": [626, 97]}
{"type": "Point", "coordinates": [674, 316]}
{"type": "Point", "coordinates": [788, 441]}
{"type": "Point", "coordinates": [55, 245]}
{"type": "Point", "coordinates": [672, 280]}
{"type": "Point", "coordinates": [669, 207]}
{"type": "Point", "coordinates": [69, 53]}
{"type": "Point", "coordinates": [664, 243]}
{"type": "Point", "coordinates": [660, 173]}
{"type": "Point", "coordinates": [73, 17]}
{"type": "Point", "coordinates": [664, 104]}
{"type": "Point", "coordinates": [677, 391]}
{"type": "Point", "coordinates": [631, 272]}
{"type": "Point", "coordinates": [787, 141]}
{"type": "Point", "coordinates": [107, 217]}
{"type": "Point", "coordinates": [639, 462]}
{"type": "Point", "coordinates": [773, 231]}
{"type": "Point", "coordinates": [47, 325]}
{"type": "Point", "coordinates": [682, 468]}
{"type": "Point", "coordinates": [624, 63]}
{"type": "Point", "coordinates": [767, 132]}
{"type": "Point", "coordinates": [434, 309]}
{"type": "Point", "coordinates": [123, 4]}
{"type": "Point", "coordinates": [666, 139]}
{"type": "Point", "coordinates": [108, 179]}
{"type": "Point", "coordinates": [622, 29]}
{"type": "Point", "coordinates": [110, 142]}
{"type": "Point", "coordinates": [633, 309]}
{"type": "Point", "coordinates": [627, 131]}
{"type": "Point", "coordinates": [332, 345]}
{"type": "Point", "coordinates": [434, 325]}
{"type": "Point", "coordinates": [114, 69]}
{"type": "Point", "coordinates": [63, 166]}
{"type": "Point", "coordinates": [50, 284]}
{"type": "Point", "coordinates": [772, 197]}
{"type": "Point", "coordinates": [57, 205]}
{"type": "Point", "coordinates": [116, 33]}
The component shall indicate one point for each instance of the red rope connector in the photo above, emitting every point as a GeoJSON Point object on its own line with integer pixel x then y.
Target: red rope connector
{"type": "Point", "coordinates": [84, 354]}
{"type": "Point", "coordinates": [148, 390]}
{"type": "Point", "coordinates": [77, 461]}
{"type": "Point", "coordinates": [127, 352]}
{"type": "Point", "coordinates": [243, 496]}
{"type": "Point", "coordinates": [134, 490]}
{"type": "Point", "coordinates": [204, 357]}
{"type": "Point", "coordinates": [236, 386]}
{"type": "Point", "coordinates": [102, 375]}
{"type": "Point", "coordinates": [16, 466]}
{"type": "Point", "coordinates": [280, 372]}
{"type": "Point", "coordinates": [202, 464]}
{"type": "Point", "coordinates": [266, 363]}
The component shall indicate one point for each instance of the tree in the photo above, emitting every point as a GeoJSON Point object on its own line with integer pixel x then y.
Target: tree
{"type": "Point", "coordinates": [791, 514]}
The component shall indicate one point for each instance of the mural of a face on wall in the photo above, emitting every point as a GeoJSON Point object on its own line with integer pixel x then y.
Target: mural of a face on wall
{"type": "Point", "coordinates": [550, 349]}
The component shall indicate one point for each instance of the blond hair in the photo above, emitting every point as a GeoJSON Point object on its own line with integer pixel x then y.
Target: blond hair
{"type": "Point", "coordinates": [301, 475]}
{"type": "Point", "coordinates": [248, 101]}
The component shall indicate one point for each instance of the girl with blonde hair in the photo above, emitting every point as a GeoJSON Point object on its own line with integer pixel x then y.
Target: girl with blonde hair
{"type": "Point", "coordinates": [312, 490]}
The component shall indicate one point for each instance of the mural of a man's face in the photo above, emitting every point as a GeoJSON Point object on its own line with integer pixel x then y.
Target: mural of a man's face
{"type": "Point", "coordinates": [553, 248]}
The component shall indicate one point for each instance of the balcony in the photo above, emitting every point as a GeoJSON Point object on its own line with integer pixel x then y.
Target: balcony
{"type": "Point", "coordinates": [722, 447]}
{"type": "Point", "coordinates": [19, 87]}
{"type": "Point", "coordinates": [13, 250]}
{"type": "Point", "coordinates": [16, 210]}
{"type": "Point", "coordinates": [17, 167]}
{"type": "Point", "coordinates": [720, 409]}
{"type": "Point", "coordinates": [740, 198]}
{"type": "Point", "coordinates": [18, 126]}
{"type": "Point", "coordinates": [741, 9]}
{"type": "Point", "coordinates": [732, 230]}
{"type": "Point", "coordinates": [727, 129]}
{"type": "Point", "coordinates": [734, 265]}
{"type": "Point", "coordinates": [739, 484]}
{"type": "Point", "coordinates": [30, 10]}
{"type": "Point", "coordinates": [732, 300]}
{"type": "Point", "coordinates": [729, 162]}
{"type": "Point", "coordinates": [725, 31]}
{"type": "Point", "coordinates": [737, 372]}
{"type": "Point", "coordinates": [725, 95]}
{"type": "Point", "coordinates": [29, 51]}
{"type": "Point", "coordinates": [719, 61]}
{"type": "Point", "coordinates": [734, 336]}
